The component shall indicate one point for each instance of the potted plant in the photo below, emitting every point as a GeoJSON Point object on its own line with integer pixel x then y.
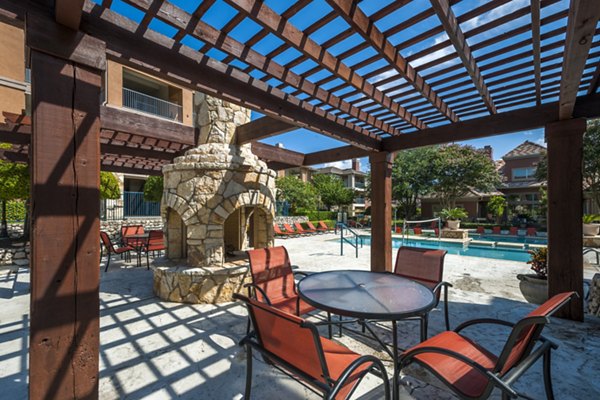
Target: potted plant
{"type": "Point", "coordinates": [453, 216]}
{"type": "Point", "coordinates": [534, 287]}
{"type": "Point", "coordinates": [589, 227]}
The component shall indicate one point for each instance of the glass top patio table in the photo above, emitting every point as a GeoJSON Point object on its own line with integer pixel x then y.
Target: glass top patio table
{"type": "Point", "coordinates": [366, 294]}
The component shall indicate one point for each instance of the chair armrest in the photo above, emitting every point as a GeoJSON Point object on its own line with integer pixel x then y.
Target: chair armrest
{"type": "Point", "coordinates": [375, 364]}
{"type": "Point", "coordinates": [440, 285]}
{"type": "Point", "coordinates": [262, 292]}
{"type": "Point", "coordinates": [483, 321]}
{"type": "Point", "coordinates": [302, 273]}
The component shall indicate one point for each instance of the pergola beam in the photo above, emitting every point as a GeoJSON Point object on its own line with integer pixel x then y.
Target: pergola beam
{"type": "Point", "coordinates": [261, 128]}
{"type": "Point", "coordinates": [536, 41]}
{"type": "Point", "coordinates": [457, 37]}
{"type": "Point", "coordinates": [277, 154]}
{"type": "Point", "coordinates": [581, 26]}
{"type": "Point", "coordinates": [359, 22]}
{"type": "Point", "coordinates": [332, 155]}
{"type": "Point", "coordinates": [68, 12]}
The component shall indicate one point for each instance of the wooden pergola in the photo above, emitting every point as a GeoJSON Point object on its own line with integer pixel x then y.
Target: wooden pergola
{"type": "Point", "coordinates": [539, 70]}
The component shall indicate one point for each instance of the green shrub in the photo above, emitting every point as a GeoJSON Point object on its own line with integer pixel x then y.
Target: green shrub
{"type": "Point", "coordinates": [15, 210]}
{"type": "Point", "coordinates": [314, 215]}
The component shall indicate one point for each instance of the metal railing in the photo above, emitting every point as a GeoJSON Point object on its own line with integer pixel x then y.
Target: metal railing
{"type": "Point", "coordinates": [352, 238]}
{"type": "Point", "coordinates": [151, 105]}
{"type": "Point", "coordinates": [132, 205]}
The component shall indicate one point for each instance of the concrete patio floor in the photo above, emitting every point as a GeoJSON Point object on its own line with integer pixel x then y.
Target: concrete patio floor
{"type": "Point", "coordinates": [157, 350]}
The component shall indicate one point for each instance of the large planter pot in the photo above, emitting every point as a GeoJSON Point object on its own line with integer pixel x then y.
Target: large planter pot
{"type": "Point", "coordinates": [454, 225]}
{"type": "Point", "coordinates": [533, 288]}
{"type": "Point", "coordinates": [591, 229]}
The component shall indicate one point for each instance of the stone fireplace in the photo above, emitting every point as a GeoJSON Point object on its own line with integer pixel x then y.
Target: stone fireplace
{"type": "Point", "coordinates": [218, 200]}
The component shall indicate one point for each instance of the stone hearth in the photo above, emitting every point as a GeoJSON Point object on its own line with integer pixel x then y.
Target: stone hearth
{"type": "Point", "coordinates": [218, 199]}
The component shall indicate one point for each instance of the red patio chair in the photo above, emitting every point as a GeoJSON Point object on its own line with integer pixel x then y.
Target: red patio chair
{"type": "Point", "coordinates": [279, 232]}
{"type": "Point", "coordinates": [303, 231]}
{"type": "Point", "coordinates": [427, 267]}
{"type": "Point", "coordinates": [434, 224]}
{"type": "Point", "coordinates": [111, 249]}
{"type": "Point", "coordinates": [480, 230]}
{"type": "Point", "coordinates": [496, 230]}
{"type": "Point", "coordinates": [417, 231]}
{"type": "Point", "coordinates": [513, 230]}
{"type": "Point", "coordinates": [398, 229]}
{"type": "Point", "coordinates": [294, 345]}
{"type": "Point", "coordinates": [324, 226]}
{"type": "Point", "coordinates": [531, 231]}
{"type": "Point", "coordinates": [318, 230]}
{"type": "Point", "coordinates": [156, 241]}
{"type": "Point", "coordinates": [472, 372]}
{"type": "Point", "coordinates": [128, 230]}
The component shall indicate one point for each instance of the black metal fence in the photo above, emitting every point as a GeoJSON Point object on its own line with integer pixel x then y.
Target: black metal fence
{"type": "Point", "coordinates": [131, 205]}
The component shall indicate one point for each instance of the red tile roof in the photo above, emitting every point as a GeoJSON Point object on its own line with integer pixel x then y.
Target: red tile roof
{"type": "Point", "coordinates": [526, 148]}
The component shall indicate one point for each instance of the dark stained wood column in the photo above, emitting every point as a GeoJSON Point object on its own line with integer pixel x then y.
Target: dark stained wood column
{"type": "Point", "coordinates": [565, 235]}
{"type": "Point", "coordinates": [65, 178]}
{"type": "Point", "coordinates": [381, 211]}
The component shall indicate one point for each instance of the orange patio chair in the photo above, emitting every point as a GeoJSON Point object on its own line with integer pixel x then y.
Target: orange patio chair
{"type": "Point", "coordinates": [480, 230]}
{"type": "Point", "coordinates": [128, 230]}
{"type": "Point", "coordinates": [324, 226]}
{"type": "Point", "coordinates": [417, 231]}
{"type": "Point", "coordinates": [513, 230]}
{"type": "Point", "coordinates": [303, 231]}
{"type": "Point", "coordinates": [472, 372]}
{"type": "Point", "coordinates": [111, 249]}
{"type": "Point", "coordinates": [292, 344]}
{"type": "Point", "coordinates": [289, 229]}
{"type": "Point", "coordinates": [398, 229]}
{"type": "Point", "coordinates": [156, 241]}
{"type": "Point", "coordinates": [531, 231]}
{"type": "Point", "coordinates": [427, 267]}
{"type": "Point", "coordinates": [317, 230]}
{"type": "Point", "coordinates": [280, 233]}
{"type": "Point", "coordinates": [496, 230]}
{"type": "Point", "coordinates": [273, 281]}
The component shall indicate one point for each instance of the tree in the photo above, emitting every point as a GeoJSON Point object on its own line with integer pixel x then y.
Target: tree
{"type": "Point", "coordinates": [413, 177]}
{"type": "Point", "coordinates": [591, 160]}
{"type": "Point", "coordinates": [460, 169]}
{"type": "Point", "coordinates": [299, 194]}
{"type": "Point", "coordinates": [14, 184]}
{"type": "Point", "coordinates": [496, 207]}
{"type": "Point", "coordinates": [332, 191]}
{"type": "Point", "coordinates": [153, 188]}
{"type": "Point", "coordinates": [109, 186]}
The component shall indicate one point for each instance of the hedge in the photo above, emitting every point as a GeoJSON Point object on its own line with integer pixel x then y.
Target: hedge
{"type": "Point", "coordinates": [15, 211]}
{"type": "Point", "coordinates": [316, 215]}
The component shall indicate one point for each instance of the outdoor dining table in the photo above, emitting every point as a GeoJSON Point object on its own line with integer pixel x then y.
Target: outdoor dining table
{"type": "Point", "coordinates": [139, 242]}
{"type": "Point", "coordinates": [369, 296]}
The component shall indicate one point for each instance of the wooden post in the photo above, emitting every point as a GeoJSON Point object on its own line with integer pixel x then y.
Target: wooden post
{"type": "Point", "coordinates": [565, 202]}
{"type": "Point", "coordinates": [381, 211]}
{"type": "Point", "coordinates": [65, 179]}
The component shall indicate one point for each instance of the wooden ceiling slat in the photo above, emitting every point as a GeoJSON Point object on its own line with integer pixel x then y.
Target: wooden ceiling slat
{"type": "Point", "coordinates": [457, 37]}
{"type": "Point", "coordinates": [535, 37]}
{"type": "Point", "coordinates": [581, 26]}
{"type": "Point", "coordinates": [263, 15]}
{"type": "Point", "coordinates": [357, 19]}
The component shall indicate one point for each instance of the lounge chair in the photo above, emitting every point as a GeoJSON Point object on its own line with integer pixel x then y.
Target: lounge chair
{"type": "Point", "coordinates": [294, 346]}
{"type": "Point", "coordinates": [111, 249]}
{"type": "Point", "coordinates": [280, 233]}
{"type": "Point", "coordinates": [317, 230]}
{"type": "Point", "coordinates": [303, 231]}
{"type": "Point", "coordinates": [496, 230]}
{"type": "Point", "coordinates": [513, 230]}
{"type": "Point", "coordinates": [531, 231]}
{"type": "Point", "coordinates": [417, 231]}
{"type": "Point", "coordinates": [472, 372]}
{"type": "Point", "coordinates": [480, 230]}
{"type": "Point", "coordinates": [291, 230]}
{"type": "Point", "coordinates": [427, 267]}
{"type": "Point", "coordinates": [398, 229]}
{"type": "Point", "coordinates": [324, 226]}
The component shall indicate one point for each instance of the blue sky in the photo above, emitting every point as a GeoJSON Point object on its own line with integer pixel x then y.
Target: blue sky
{"type": "Point", "coordinates": [305, 141]}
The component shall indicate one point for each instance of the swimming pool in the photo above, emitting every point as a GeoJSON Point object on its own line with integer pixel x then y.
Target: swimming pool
{"type": "Point", "coordinates": [509, 239]}
{"type": "Point", "coordinates": [458, 249]}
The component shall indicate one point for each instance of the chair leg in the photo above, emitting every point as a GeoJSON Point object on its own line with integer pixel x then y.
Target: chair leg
{"type": "Point", "coordinates": [340, 326]}
{"type": "Point", "coordinates": [548, 376]}
{"type": "Point", "coordinates": [446, 317]}
{"type": "Point", "coordinates": [424, 325]}
{"type": "Point", "coordinates": [248, 326]}
{"type": "Point", "coordinates": [329, 325]}
{"type": "Point", "coordinates": [107, 261]}
{"type": "Point", "coordinates": [147, 262]}
{"type": "Point", "coordinates": [248, 372]}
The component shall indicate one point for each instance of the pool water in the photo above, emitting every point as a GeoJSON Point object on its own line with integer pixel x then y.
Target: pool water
{"type": "Point", "coordinates": [509, 239]}
{"type": "Point", "coordinates": [458, 249]}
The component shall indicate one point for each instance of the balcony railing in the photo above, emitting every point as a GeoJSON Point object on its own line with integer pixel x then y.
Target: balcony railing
{"type": "Point", "coordinates": [151, 105]}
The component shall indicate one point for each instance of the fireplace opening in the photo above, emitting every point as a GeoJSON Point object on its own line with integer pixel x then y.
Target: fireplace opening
{"type": "Point", "coordinates": [176, 236]}
{"type": "Point", "coordinates": [245, 228]}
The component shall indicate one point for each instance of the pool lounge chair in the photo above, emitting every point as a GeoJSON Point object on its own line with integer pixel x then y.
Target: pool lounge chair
{"type": "Point", "coordinates": [417, 231]}
{"type": "Point", "coordinates": [496, 230]}
{"type": "Point", "coordinates": [531, 231]}
{"type": "Point", "coordinates": [291, 230]}
{"type": "Point", "coordinates": [513, 230]}
{"type": "Point", "coordinates": [282, 234]}
{"type": "Point", "coordinates": [324, 226]}
{"type": "Point", "coordinates": [303, 231]}
{"type": "Point", "coordinates": [317, 230]}
{"type": "Point", "coordinates": [480, 230]}
{"type": "Point", "coordinates": [473, 372]}
{"type": "Point", "coordinates": [294, 346]}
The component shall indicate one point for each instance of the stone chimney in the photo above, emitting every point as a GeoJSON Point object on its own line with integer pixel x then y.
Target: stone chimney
{"type": "Point", "coordinates": [356, 164]}
{"type": "Point", "coordinates": [487, 150]}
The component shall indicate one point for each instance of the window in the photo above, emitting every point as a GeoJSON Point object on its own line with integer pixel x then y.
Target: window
{"type": "Point", "coordinates": [534, 197]}
{"type": "Point", "coordinates": [520, 174]}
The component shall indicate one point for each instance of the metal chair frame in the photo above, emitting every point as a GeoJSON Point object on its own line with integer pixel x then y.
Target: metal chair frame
{"type": "Point", "coordinates": [110, 249]}
{"type": "Point", "coordinates": [498, 379]}
{"type": "Point", "coordinates": [328, 390]}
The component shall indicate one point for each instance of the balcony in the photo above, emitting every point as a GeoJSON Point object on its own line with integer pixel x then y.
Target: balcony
{"type": "Point", "coordinates": [151, 105]}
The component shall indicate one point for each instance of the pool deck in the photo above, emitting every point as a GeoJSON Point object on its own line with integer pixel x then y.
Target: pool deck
{"type": "Point", "coordinates": [151, 349]}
